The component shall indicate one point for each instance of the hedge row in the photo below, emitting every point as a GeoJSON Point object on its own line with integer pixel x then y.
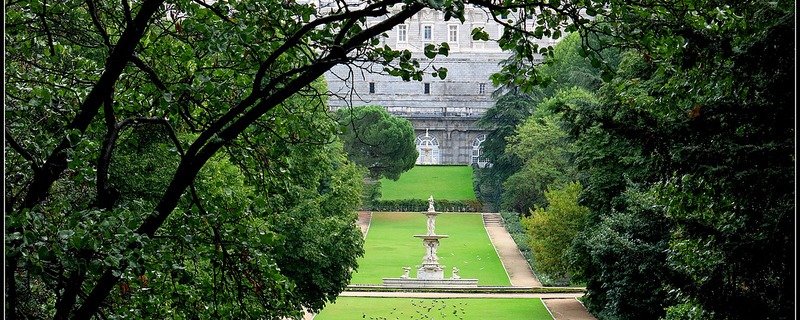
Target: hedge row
{"type": "Point", "coordinates": [420, 205]}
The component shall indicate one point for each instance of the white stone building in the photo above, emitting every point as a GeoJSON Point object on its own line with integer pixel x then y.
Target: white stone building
{"type": "Point", "coordinates": [443, 111]}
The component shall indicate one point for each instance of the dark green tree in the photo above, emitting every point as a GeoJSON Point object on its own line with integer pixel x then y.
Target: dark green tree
{"type": "Point", "coordinates": [566, 67]}
{"type": "Point", "coordinates": [378, 141]}
{"type": "Point", "coordinates": [569, 66]}
{"type": "Point", "coordinates": [700, 120]}
{"type": "Point", "coordinates": [546, 151]}
{"type": "Point", "coordinates": [502, 119]}
{"type": "Point", "coordinates": [623, 257]}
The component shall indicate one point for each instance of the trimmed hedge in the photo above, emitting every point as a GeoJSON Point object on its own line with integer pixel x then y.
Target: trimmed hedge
{"type": "Point", "coordinates": [421, 205]}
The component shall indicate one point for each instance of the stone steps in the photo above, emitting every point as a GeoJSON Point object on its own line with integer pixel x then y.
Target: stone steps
{"type": "Point", "coordinates": [493, 220]}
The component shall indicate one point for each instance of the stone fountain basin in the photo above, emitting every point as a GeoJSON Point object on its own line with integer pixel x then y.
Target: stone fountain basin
{"type": "Point", "coordinates": [429, 283]}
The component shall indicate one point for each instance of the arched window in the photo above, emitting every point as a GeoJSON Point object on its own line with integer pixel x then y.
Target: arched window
{"type": "Point", "coordinates": [428, 149]}
{"type": "Point", "coordinates": [477, 151]}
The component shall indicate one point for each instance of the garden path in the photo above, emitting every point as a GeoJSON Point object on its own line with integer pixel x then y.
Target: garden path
{"type": "Point", "coordinates": [519, 272]}
{"type": "Point", "coordinates": [567, 309]}
{"type": "Point", "coordinates": [364, 217]}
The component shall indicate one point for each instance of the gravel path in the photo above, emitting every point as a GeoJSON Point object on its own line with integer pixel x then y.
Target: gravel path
{"type": "Point", "coordinates": [519, 272]}
{"type": "Point", "coordinates": [567, 309]}
{"type": "Point", "coordinates": [364, 218]}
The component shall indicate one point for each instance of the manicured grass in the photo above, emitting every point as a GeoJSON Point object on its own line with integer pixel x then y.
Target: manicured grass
{"type": "Point", "coordinates": [443, 182]}
{"type": "Point", "coordinates": [390, 246]}
{"type": "Point", "coordinates": [348, 308]}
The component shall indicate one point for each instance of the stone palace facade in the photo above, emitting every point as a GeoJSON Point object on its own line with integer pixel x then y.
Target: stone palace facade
{"type": "Point", "coordinates": [443, 112]}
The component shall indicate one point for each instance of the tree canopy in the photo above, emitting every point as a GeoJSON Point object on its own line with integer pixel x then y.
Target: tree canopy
{"type": "Point", "coordinates": [378, 141]}
{"type": "Point", "coordinates": [686, 155]}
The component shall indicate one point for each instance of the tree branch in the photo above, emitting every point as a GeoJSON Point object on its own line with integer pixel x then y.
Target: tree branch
{"type": "Point", "coordinates": [97, 24]}
{"type": "Point", "coordinates": [47, 28]}
{"type": "Point", "coordinates": [149, 71]}
{"type": "Point", "coordinates": [19, 149]}
{"type": "Point", "coordinates": [376, 9]}
{"type": "Point", "coordinates": [214, 10]}
{"type": "Point", "coordinates": [126, 10]}
{"type": "Point", "coordinates": [105, 197]}
{"type": "Point", "coordinates": [203, 149]}
{"type": "Point", "coordinates": [56, 163]}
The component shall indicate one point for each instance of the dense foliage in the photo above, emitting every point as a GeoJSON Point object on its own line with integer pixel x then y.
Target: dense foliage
{"type": "Point", "coordinates": [502, 119]}
{"type": "Point", "coordinates": [378, 141]}
{"type": "Point", "coordinates": [553, 229]}
{"type": "Point", "coordinates": [707, 136]}
{"type": "Point", "coordinates": [545, 150]}
{"type": "Point", "coordinates": [687, 155]}
{"type": "Point", "coordinates": [569, 75]}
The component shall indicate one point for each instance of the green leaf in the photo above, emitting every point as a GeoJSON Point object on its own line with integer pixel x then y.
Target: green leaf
{"type": "Point", "coordinates": [606, 76]}
{"type": "Point", "coordinates": [429, 51]}
{"type": "Point", "coordinates": [64, 234]}
{"type": "Point", "coordinates": [442, 73]}
{"type": "Point", "coordinates": [444, 49]}
{"type": "Point", "coordinates": [479, 34]}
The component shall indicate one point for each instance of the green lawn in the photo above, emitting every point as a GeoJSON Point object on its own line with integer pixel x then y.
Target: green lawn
{"type": "Point", "coordinates": [390, 246]}
{"type": "Point", "coordinates": [348, 308]}
{"type": "Point", "coordinates": [443, 182]}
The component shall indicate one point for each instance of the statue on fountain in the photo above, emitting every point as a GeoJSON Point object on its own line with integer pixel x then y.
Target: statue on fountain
{"type": "Point", "coordinates": [406, 271]}
{"type": "Point", "coordinates": [431, 216]}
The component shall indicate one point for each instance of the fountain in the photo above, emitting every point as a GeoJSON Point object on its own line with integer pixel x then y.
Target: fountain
{"type": "Point", "coordinates": [430, 273]}
{"type": "Point", "coordinates": [430, 269]}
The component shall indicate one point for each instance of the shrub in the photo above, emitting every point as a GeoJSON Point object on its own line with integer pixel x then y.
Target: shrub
{"type": "Point", "coordinates": [522, 240]}
{"type": "Point", "coordinates": [371, 193]}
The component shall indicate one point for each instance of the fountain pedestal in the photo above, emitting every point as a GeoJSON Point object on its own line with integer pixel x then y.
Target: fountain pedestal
{"type": "Point", "coordinates": [430, 268]}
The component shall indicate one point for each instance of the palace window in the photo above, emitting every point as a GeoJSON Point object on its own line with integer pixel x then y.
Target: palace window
{"type": "Point", "coordinates": [402, 33]}
{"type": "Point", "coordinates": [477, 152]}
{"type": "Point", "coordinates": [428, 149]}
{"type": "Point", "coordinates": [372, 87]}
{"type": "Point", "coordinates": [427, 33]}
{"type": "Point", "coordinates": [452, 33]}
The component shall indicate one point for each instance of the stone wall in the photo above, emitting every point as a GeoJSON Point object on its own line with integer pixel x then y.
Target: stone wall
{"type": "Point", "coordinates": [454, 134]}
